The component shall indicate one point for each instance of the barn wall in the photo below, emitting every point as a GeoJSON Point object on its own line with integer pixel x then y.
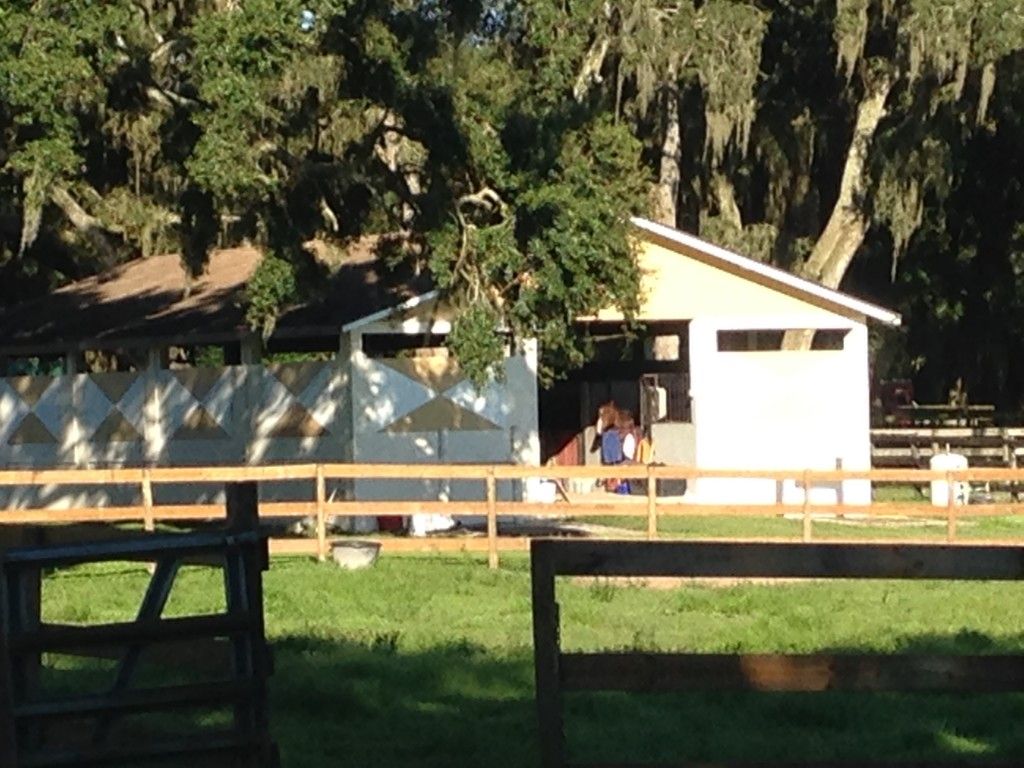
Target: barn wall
{"type": "Point", "coordinates": [681, 284]}
{"type": "Point", "coordinates": [780, 410]}
{"type": "Point", "coordinates": [423, 410]}
{"type": "Point", "coordinates": [246, 414]}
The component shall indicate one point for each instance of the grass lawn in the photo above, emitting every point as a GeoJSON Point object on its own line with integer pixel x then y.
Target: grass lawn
{"type": "Point", "coordinates": [427, 661]}
{"type": "Point", "coordinates": [991, 528]}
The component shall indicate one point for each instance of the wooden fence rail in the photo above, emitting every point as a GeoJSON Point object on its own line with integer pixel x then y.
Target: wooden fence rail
{"type": "Point", "coordinates": [321, 507]}
{"type": "Point", "coordinates": [557, 672]}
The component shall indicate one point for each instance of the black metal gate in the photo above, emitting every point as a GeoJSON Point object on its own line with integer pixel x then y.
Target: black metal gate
{"type": "Point", "coordinates": [222, 718]}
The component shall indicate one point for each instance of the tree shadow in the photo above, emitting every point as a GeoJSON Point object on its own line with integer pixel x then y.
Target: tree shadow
{"type": "Point", "coordinates": [337, 702]}
{"type": "Point", "coordinates": [374, 702]}
{"type": "Point", "coordinates": [846, 727]}
{"type": "Point", "coordinates": [376, 697]}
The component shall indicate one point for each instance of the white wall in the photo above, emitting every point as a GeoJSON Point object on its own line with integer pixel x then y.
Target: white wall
{"type": "Point", "coordinates": [384, 399]}
{"type": "Point", "coordinates": [779, 410]}
{"type": "Point", "coordinates": [241, 414]}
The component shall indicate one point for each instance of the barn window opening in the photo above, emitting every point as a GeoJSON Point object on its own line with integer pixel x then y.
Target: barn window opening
{"type": "Point", "coordinates": [829, 340]}
{"type": "Point", "coordinates": [305, 349]}
{"type": "Point", "coordinates": [53, 365]}
{"type": "Point", "coordinates": [388, 345]}
{"type": "Point", "coordinates": [761, 340]}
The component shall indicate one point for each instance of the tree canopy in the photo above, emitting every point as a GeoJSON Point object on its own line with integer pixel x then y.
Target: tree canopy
{"type": "Point", "coordinates": [862, 143]}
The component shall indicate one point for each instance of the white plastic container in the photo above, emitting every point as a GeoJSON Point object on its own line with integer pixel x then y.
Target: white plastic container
{"type": "Point", "coordinates": [540, 491]}
{"type": "Point", "coordinates": [946, 462]}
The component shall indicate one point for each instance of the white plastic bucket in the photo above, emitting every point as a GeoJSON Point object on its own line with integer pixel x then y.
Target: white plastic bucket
{"type": "Point", "coordinates": [540, 491]}
{"type": "Point", "coordinates": [947, 462]}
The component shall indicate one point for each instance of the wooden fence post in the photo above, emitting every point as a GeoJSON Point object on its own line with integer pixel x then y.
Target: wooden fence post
{"type": "Point", "coordinates": [807, 532]}
{"type": "Point", "coordinates": [243, 506]}
{"type": "Point", "coordinates": [652, 504]}
{"type": "Point", "coordinates": [8, 742]}
{"type": "Point", "coordinates": [492, 520]}
{"type": "Point", "coordinates": [950, 508]}
{"type": "Point", "coordinates": [546, 653]}
{"type": "Point", "coordinates": [148, 520]}
{"type": "Point", "coordinates": [321, 514]}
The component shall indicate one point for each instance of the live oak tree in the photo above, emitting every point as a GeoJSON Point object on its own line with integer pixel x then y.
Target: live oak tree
{"type": "Point", "coordinates": [507, 142]}
{"type": "Point", "coordinates": [144, 122]}
{"type": "Point", "coordinates": [788, 130]}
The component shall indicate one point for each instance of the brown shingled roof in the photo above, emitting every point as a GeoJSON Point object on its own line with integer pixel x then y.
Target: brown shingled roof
{"type": "Point", "coordinates": [145, 299]}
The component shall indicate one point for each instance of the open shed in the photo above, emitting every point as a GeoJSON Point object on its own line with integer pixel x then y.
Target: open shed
{"type": "Point", "coordinates": [709, 379]}
{"type": "Point", "coordinates": [360, 374]}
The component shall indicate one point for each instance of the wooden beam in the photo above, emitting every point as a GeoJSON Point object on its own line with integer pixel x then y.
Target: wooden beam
{"type": "Point", "coordinates": [962, 763]}
{"type": "Point", "coordinates": [774, 560]}
{"type": "Point", "coordinates": [475, 544]}
{"type": "Point", "coordinates": [222, 742]}
{"type": "Point", "coordinates": [62, 637]}
{"type": "Point", "coordinates": [136, 701]}
{"type": "Point", "coordinates": [655, 673]}
{"type": "Point", "coordinates": [225, 474]}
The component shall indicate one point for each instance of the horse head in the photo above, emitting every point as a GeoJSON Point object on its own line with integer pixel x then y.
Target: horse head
{"type": "Point", "coordinates": [607, 416]}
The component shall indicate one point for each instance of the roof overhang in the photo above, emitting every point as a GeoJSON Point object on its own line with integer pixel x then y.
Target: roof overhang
{"type": "Point", "coordinates": [389, 312]}
{"type": "Point", "coordinates": [755, 269]}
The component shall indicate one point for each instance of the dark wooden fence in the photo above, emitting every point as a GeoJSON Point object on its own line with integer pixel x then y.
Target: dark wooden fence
{"type": "Point", "coordinates": [659, 672]}
{"type": "Point", "coordinates": [912, 447]}
{"type": "Point", "coordinates": [41, 728]}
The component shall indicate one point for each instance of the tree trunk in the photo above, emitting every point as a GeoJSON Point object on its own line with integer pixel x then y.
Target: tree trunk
{"type": "Point", "coordinates": [91, 228]}
{"type": "Point", "coordinates": [725, 196]}
{"type": "Point", "coordinates": [848, 225]}
{"type": "Point", "coordinates": [590, 71]}
{"type": "Point", "coordinates": [666, 194]}
{"type": "Point", "coordinates": [389, 150]}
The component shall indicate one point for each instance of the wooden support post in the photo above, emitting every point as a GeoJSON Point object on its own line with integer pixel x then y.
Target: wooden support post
{"type": "Point", "coordinates": [1014, 487]}
{"type": "Point", "coordinates": [841, 485]}
{"type": "Point", "coordinates": [652, 504]}
{"type": "Point", "coordinates": [243, 583]}
{"type": "Point", "coordinates": [950, 508]}
{"type": "Point", "coordinates": [807, 532]}
{"type": "Point", "coordinates": [546, 654]}
{"type": "Point", "coordinates": [23, 591]}
{"type": "Point", "coordinates": [8, 736]}
{"type": "Point", "coordinates": [8, 745]}
{"type": "Point", "coordinates": [492, 520]}
{"type": "Point", "coordinates": [243, 506]}
{"type": "Point", "coordinates": [321, 514]}
{"type": "Point", "coordinates": [148, 520]}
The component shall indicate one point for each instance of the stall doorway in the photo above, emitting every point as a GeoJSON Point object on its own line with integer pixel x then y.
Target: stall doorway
{"type": "Point", "coordinates": [645, 373]}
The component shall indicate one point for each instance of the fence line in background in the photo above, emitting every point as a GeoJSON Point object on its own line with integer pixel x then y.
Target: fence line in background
{"type": "Point", "coordinates": [653, 508]}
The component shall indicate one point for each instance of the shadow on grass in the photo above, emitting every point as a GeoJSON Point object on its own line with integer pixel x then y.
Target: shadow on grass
{"type": "Point", "coordinates": [376, 703]}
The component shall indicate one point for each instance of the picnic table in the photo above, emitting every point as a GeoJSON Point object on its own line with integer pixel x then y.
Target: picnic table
{"type": "Point", "coordinates": [948, 415]}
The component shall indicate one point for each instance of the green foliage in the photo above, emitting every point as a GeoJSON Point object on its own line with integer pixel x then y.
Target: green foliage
{"type": "Point", "coordinates": [514, 140]}
{"type": "Point", "coordinates": [272, 287]}
{"type": "Point", "coordinates": [477, 343]}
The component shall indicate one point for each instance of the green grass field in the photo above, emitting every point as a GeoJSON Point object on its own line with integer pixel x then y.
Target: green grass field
{"type": "Point", "coordinates": [824, 529]}
{"type": "Point", "coordinates": [427, 661]}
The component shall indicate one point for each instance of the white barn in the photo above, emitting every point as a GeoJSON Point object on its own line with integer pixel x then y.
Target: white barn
{"type": "Point", "coordinates": [730, 396]}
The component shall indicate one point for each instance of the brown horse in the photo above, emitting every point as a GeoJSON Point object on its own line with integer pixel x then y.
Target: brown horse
{"type": "Point", "coordinates": [608, 417]}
